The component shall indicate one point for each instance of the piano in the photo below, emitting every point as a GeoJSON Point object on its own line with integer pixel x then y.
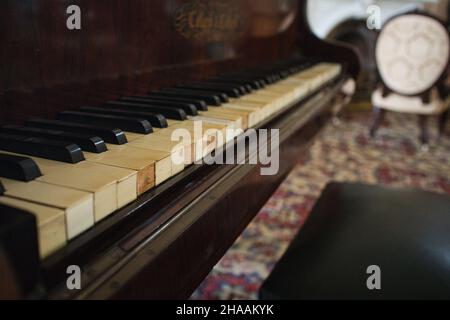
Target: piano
{"type": "Point", "coordinates": [88, 170]}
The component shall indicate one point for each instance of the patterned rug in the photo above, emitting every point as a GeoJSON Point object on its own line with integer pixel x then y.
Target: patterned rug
{"type": "Point", "coordinates": [341, 153]}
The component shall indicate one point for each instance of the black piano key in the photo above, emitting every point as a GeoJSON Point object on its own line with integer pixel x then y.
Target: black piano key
{"type": "Point", "coordinates": [2, 189]}
{"type": "Point", "coordinates": [190, 109]}
{"type": "Point", "coordinates": [108, 134]}
{"type": "Point", "coordinates": [86, 142]}
{"type": "Point", "coordinates": [285, 74]}
{"type": "Point", "coordinates": [254, 84]}
{"type": "Point", "coordinates": [201, 105]}
{"type": "Point", "coordinates": [135, 125]}
{"type": "Point", "coordinates": [18, 168]}
{"type": "Point", "coordinates": [210, 100]}
{"type": "Point", "coordinates": [155, 119]}
{"type": "Point", "coordinates": [303, 65]}
{"type": "Point", "coordinates": [264, 77]}
{"type": "Point", "coordinates": [267, 78]}
{"type": "Point", "coordinates": [19, 247]}
{"type": "Point", "coordinates": [241, 89]}
{"type": "Point", "coordinates": [231, 92]}
{"type": "Point", "coordinates": [216, 96]}
{"type": "Point", "coordinates": [293, 70]}
{"type": "Point", "coordinates": [246, 86]}
{"type": "Point", "coordinates": [270, 79]}
{"type": "Point", "coordinates": [43, 148]}
{"type": "Point", "coordinates": [169, 113]}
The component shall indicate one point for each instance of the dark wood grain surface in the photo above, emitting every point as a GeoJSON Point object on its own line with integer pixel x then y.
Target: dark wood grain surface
{"type": "Point", "coordinates": [130, 47]}
{"type": "Point", "coordinates": [164, 244]}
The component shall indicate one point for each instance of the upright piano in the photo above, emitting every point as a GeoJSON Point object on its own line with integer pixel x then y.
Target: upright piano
{"type": "Point", "coordinates": [91, 94]}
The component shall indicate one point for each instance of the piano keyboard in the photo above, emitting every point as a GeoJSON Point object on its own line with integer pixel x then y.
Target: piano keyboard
{"type": "Point", "coordinates": [74, 171]}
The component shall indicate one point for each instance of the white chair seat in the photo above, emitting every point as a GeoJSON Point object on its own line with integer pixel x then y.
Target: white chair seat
{"type": "Point", "coordinates": [399, 103]}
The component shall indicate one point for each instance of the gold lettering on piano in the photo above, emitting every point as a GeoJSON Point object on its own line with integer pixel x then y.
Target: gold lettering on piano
{"type": "Point", "coordinates": [210, 21]}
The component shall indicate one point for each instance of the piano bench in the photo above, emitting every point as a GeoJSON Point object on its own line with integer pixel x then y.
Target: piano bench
{"type": "Point", "coordinates": [368, 242]}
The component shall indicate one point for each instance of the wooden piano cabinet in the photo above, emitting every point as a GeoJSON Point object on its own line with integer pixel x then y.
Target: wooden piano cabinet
{"type": "Point", "coordinates": [8, 287]}
{"type": "Point", "coordinates": [170, 251]}
{"type": "Point", "coordinates": [163, 244]}
{"type": "Point", "coordinates": [193, 247]}
{"type": "Point", "coordinates": [129, 47]}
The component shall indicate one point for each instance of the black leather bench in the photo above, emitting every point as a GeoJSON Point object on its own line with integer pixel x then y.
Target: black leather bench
{"type": "Point", "coordinates": [406, 233]}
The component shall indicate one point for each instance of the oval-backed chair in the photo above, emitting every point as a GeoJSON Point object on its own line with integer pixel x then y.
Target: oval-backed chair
{"type": "Point", "coordinates": [412, 57]}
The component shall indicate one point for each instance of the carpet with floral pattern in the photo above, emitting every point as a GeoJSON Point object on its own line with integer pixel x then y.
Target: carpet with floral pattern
{"type": "Point", "coordinates": [340, 153]}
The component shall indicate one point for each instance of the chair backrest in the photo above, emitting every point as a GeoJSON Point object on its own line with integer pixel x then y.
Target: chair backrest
{"type": "Point", "coordinates": [412, 53]}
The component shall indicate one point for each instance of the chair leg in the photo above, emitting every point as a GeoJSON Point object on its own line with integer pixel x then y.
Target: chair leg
{"type": "Point", "coordinates": [423, 124]}
{"type": "Point", "coordinates": [443, 122]}
{"type": "Point", "coordinates": [338, 105]}
{"type": "Point", "coordinates": [378, 116]}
